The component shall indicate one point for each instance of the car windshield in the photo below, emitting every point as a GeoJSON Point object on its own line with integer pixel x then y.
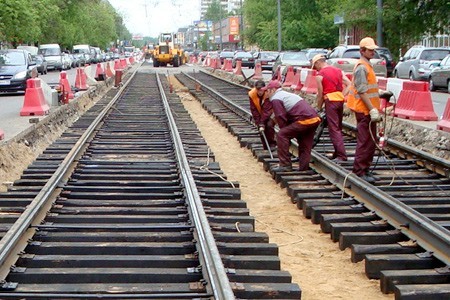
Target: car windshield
{"type": "Point", "coordinates": [243, 54]}
{"type": "Point", "coordinates": [50, 51]}
{"type": "Point", "coordinates": [79, 51]}
{"type": "Point", "coordinates": [354, 53]}
{"type": "Point", "coordinates": [295, 56]}
{"type": "Point", "coordinates": [434, 54]}
{"type": "Point", "coordinates": [269, 55]}
{"type": "Point", "coordinates": [12, 59]}
{"type": "Point", "coordinates": [226, 54]}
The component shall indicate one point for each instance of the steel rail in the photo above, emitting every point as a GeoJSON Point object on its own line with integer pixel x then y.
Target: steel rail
{"type": "Point", "coordinates": [105, 296]}
{"type": "Point", "coordinates": [13, 235]}
{"type": "Point", "coordinates": [427, 233]}
{"type": "Point", "coordinates": [209, 252]}
{"type": "Point", "coordinates": [436, 164]}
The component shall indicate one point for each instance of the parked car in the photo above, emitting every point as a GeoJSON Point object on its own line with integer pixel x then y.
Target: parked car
{"type": "Point", "coordinates": [418, 61]}
{"type": "Point", "coordinates": [311, 52]}
{"type": "Point", "coordinates": [53, 55]}
{"type": "Point", "coordinates": [16, 67]}
{"type": "Point", "coordinates": [345, 58]}
{"type": "Point", "coordinates": [41, 63]}
{"type": "Point", "coordinates": [83, 54]}
{"type": "Point", "coordinates": [67, 61]}
{"type": "Point", "coordinates": [224, 55]}
{"type": "Point", "coordinates": [246, 59]}
{"type": "Point", "coordinates": [295, 59]}
{"type": "Point", "coordinates": [440, 76]}
{"type": "Point", "coordinates": [267, 59]}
{"type": "Point", "coordinates": [387, 56]}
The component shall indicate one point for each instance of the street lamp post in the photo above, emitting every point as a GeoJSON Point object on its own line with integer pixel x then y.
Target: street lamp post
{"type": "Point", "coordinates": [279, 24]}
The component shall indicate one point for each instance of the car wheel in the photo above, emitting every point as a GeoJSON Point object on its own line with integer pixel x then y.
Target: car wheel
{"type": "Point", "coordinates": [431, 85]}
{"type": "Point", "coordinates": [448, 87]}
{"type": "Point", "coordinates": [411, 76]}
{"type": "Point", "coordinates": [395, 74]}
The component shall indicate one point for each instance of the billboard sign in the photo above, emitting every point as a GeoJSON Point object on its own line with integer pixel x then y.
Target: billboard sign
{"type": "Point", "coordinates": [234, 25]}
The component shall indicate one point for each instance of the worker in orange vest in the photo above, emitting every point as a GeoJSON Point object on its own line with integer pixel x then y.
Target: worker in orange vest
{"type": "Point", "coordinates": [364, 100]}
{"type": "Point", "coordinates": [261, 115]}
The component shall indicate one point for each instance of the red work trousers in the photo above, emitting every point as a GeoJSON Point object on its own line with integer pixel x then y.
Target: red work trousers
{"type": "Point", "coordinates": [305, 138]}
{"type": "Point", "coordinates": [365, 144]}
{"type": "Point", "coordinates": [269, 132]}
{"type": "Point", "coordinates": [334, 110]}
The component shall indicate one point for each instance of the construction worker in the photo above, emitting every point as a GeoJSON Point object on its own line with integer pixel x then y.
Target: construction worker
{"type": "Point", "coordinates": [330, 91]}
{"type": "Point", "coordinates": [296, 119]}
{"type": "Point", "coordinates": [364, 100]}
{"type": "Point", "coordinates": [261, 115]}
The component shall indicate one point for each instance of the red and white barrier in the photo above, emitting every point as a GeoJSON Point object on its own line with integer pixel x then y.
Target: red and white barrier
{"type": "Point", "coordinates": [444, 123]}
{"type": "Point", "coordinates": [414, 102]}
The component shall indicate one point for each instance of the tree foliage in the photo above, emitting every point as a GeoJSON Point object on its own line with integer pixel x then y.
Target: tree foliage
{"type": "Point", "coordinates": [310, 23]}
{"type": "Point", "coordinates": [215, 11]}
{"type": "Point", "coordinates": [66, 22]}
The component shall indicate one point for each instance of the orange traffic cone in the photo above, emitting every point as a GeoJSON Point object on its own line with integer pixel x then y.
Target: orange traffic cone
{"type": "Point", "coordinates": [238, 70]}
{"type": "Point", "coordinates": [65, 82]}
{"type": "Point", "coordinates": [80, 80]}
{"type": "Point", "coordinates": [258, 71]}
{"type": "Point", "coordinates": [123, 63]}
{"type": "Point", "coordinates": [228, 66]}
{"type": "Point", "coordinates": [289, 79]}
{"type": "Point", "coordinates": [297, 84]}
{"type": "Point", "coordinates": [99, 73]}
{"type": "Point", "coordinates": [34, 102]}
{"type": "Point", "coordinates": [109, 73]}
{"type": "Point", "coordinates": [117, 65]}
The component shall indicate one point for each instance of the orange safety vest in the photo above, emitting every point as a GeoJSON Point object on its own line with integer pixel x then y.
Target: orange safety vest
{"type": "Point", "coordinates": [309, 121]}
{"type": "Point", "coordinates": [354, 101]}
{"type": "Point", "coordinates": [253, 94]}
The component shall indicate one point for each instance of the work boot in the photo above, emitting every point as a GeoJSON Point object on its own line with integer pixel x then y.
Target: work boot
{"type": "Point", "coordinates": [281, 169]}
{"type": "Point", "coordinates": [368, 178]}
{"type": "Point", "coordinates": [370, 174]}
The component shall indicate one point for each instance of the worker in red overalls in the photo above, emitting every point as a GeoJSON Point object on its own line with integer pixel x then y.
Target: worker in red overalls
{"type": "Point", "coordinates": [296, 119]}
{"type": "Point", "coordinates": [330, 91]}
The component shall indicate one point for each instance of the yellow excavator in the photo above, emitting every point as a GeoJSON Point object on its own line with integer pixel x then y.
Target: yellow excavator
{"type": "Point", "coordinates": [168, 51]}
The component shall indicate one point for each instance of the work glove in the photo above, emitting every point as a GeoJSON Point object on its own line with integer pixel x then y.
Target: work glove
{"type": "Point", "coordinates": [374, 115]}
{"type": "Point", "coordinates": [261, 129]}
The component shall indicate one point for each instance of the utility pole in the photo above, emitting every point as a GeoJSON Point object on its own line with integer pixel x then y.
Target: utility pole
{"type": "Point", "coordinates": [241, 25]}
{"type": "Point", "coordinates": [380, 23]}
{"type": "Point", "coordinates": [279, 24]}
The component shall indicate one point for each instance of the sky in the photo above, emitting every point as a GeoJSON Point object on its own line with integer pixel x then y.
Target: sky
{"type": "Point", "coordinates": [151, 17]}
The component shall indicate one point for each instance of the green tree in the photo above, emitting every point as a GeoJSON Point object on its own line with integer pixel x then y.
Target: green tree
{"type": "Point", "coordinates": [304, 24]}
{"type": "Point", "coordinates": [215, 11]}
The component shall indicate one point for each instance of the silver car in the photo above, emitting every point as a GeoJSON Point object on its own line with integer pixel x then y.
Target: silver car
{"type": "Point", "coordinates": [418, 62]}
{"type": "Point", "coordinates": [345, 57]}
{"type": "Point", "coordinates": [440, 76]}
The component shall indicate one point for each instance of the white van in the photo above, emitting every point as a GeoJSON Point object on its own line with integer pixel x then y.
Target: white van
{"type": "Point", "coordinates": [53, 56]}
{"type": "Point", "coordinates": [32, 49]}
{"type": "Point", "coordinates": [83, 53]}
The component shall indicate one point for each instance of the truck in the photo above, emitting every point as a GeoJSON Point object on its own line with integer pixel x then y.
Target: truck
{"type": "Point", "coordinates": [168, 51]}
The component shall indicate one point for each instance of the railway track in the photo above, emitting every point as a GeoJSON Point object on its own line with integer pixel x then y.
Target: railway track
{"type": "Point", "coordinates": [129, 203]}
{"type": "Point", "coordinates": [399, 226]}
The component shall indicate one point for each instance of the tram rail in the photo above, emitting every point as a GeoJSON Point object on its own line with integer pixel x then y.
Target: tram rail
{"type": "Point", "coordinates": [400, 229]}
